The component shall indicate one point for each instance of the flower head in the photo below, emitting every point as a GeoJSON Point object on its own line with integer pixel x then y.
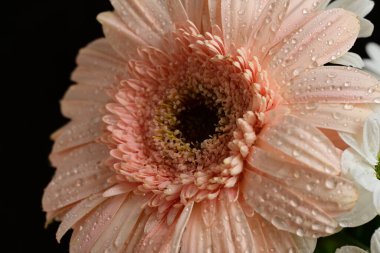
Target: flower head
{"type": "Point", "coordinates": [362, 158]}
{"type": "Point", "coordinates": [209, 124]}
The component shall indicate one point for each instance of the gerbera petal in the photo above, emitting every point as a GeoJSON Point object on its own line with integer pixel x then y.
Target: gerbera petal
{"type": "Point", "coordinates": [91, 227]}
{"type": "Point", "coordinates": [194, 11]}
{"type": "Point", "coordinates": [312, 185]}
{"type": "Point", "coordinates": [350, 59]}
{"type": "Point", "coordinates": [221, 231]}
{"type": "Point", "coordinates": [341, 117]}
{"type": "Point", "coordinates": [332, 84]}
{"type": "Point", "coordinates": [115, 236]}
{"type": "Point", "coordinates": [316, 43]}
{"type": "Point", "coordinates": [173, 242]}
{"type": "Point", "coordinates": [77, 213]}
{"type": "Point", "coordinates": [137, 234]}
{"type": "Point", "coordinates": [270, 239]}
{"type": "Point", "coordinates": [268, 23]}
{"type": "Point", "coordinates": [298, 13]}
{"type": "Point", "coordinates": [305, 220]}
{"type": "Point", "coordinates": [77, 133]}
{"type": "Point", "coordinates": [303, 142]}
{"type": "Point", "coordinates": [81, 109]}
{"type": "Point", "coordinates": [139, 23]}
{"type": "Point", "coordinates": [122, 39]}
{"type": "Point", "coordinates": [360, 8]}
{"type": "Point", "coordinates": [99, 65]}
{"type": "Point", "coordinates": [237, 21]}
{"type": "Point", "coordinates": [78, 156]}
{"type": "Point", "coordinates": [73, 183]}
{"type": "Point", "coordinates": [84, 101]}
{"type": "Point", "coordinates": [360, 170]}
{"type": "Point", "coordinates": [362, 213]}
{"type": "Point", "coordinates": [241, 231]}
{"type": "Point", "coordinates": [197, 236]}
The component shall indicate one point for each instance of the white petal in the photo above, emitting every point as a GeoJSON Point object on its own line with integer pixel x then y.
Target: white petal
{"type": "Point", "coordinates": [366, 28]}
{"type": "Point", "coordinates": [371, 138]}
{"type": "Point", "coordinates": [362, 213]}
{"type": "Point", "coordinates": [359, 7]}
{"type": "Point", "coordinates": [376, 198]}
{"type": "Point", "coordinates": [375, 241]}
{"type": "Point", "coordinates": [350, 249]}
{"type": "Point", "coordinates": [350, 59]}
{"type": "Point", "coordinates": [354, 141]}
{"type": "Point", "coordinates": [361, 171]}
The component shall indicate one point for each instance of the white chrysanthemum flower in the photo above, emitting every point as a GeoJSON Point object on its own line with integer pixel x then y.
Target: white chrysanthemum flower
{"type": "Point", "coordinates": [361, 161]}
{"type": "Point", "coordinates": [375, 245]}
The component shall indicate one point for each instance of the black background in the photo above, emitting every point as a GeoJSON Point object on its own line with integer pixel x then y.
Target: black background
{"type": "Point", "coordinates": [39, 42]}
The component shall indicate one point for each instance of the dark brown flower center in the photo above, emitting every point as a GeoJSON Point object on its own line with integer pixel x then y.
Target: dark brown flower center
{"type": "Point", "coordinates": [197, 121]}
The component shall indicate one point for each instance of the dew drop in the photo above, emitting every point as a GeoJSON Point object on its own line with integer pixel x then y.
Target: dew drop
{"type": "Point", "coordinates": [300, 232]}
{"type": "Point", "coordinates": [330, 184]}
{"type": "Point", "coordinates": [347, 84]}
{"type": "Point", "coordinates": [348, 106]}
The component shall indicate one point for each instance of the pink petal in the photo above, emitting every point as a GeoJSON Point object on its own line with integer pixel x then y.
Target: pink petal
{"type": "Point", "coordinates": [115, 236]}
{"type": "Point", "coordinates": [193, 9]}
{"type": "Point", "coordinates": [99, 65]}
{"type": "Point", "coordinates": [272, 239]}
{"type": "Point", "coordinates": [327, 36]}
{"type": "Point", "coordinates": [237, 21]}
{"type": "Point", "coordinates": [138, 23]}
{"type": "Point", "coordinates": [332, 84]}
{"type": "Point", "coordinates": [299, 12]}
{"type": "Point", "coordinates": [137, 234]}
{"type": "Point", "coordinates": [81, 109]}
{"type": "Point", "coordinates": [85, 93]}
{"type": "Point", "coordinates": [195, 230]}
{"type": "Point", "coordinates": [77, 213]}
{"type": "Point", "coordinates": [79, 155]}
{"type": "Point", "coordinates": [173, 242]}
{"type": "Point", "coordinates": [302, 142]}
{"type": "Point", "coordinates": [77, 133]}
{"type": "Point", "coordinates": [221, 231]}
{"type": "Point", "coordinates": [214, 13]}
{"type": "Point", "coordinates": [276, 204]}
{"type": "Point", "coordinates": [76, 182]}
{"type": "Point", "coordinates": [241, 231]}
{"type": "Point", "coordinates": [340, 117]}
{"type": "Point", "coordinates": [153, 240]}
{"type": "Point", "coordinates": [333, 194]}
{"type": "Point", "coordinates": [124, 41]}
{"type": "Point", "coordinates": [92, 226]}
{"type": "Point", "coordinates": [120, 188]}
{"type": "Point", "coordinates": [266, 27]}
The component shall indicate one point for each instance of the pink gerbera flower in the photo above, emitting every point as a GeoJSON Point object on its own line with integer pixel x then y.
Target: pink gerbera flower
{"type": "Point", "coordinates": [209, 126]}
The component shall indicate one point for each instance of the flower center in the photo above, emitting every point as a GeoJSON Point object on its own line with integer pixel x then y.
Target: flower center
{"type": "Point", "coordinates": [191, 126]}
{"type": "Point", "coordinates": [197, 121]}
